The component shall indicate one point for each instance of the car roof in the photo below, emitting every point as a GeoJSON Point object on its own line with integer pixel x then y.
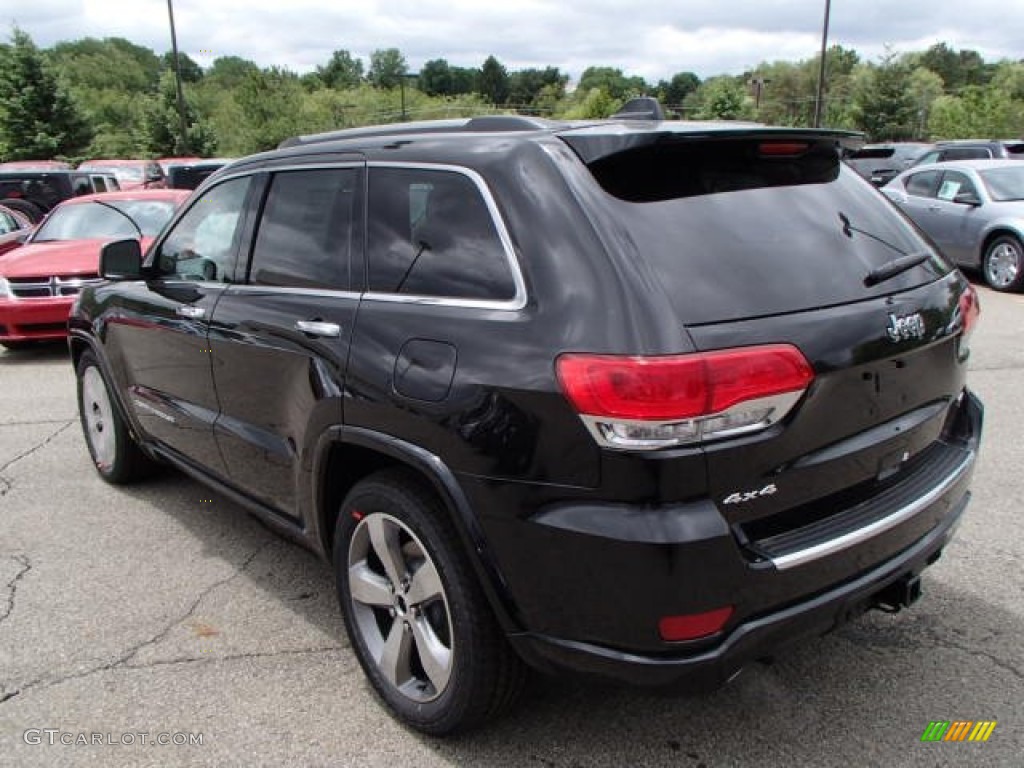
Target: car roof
{"type": "Point", "coordinates": [171, 195]}
{"type": "Point", "coordinates": [113, 161]}
{"type": "Point", "coordinates": [972, 165]}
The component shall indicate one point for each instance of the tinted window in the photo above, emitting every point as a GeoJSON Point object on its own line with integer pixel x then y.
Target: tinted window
{"type": "Point", "coordinates": [431, 234]}
{"type": "Point", "coordinates": [756, 250]}
{"type": "Point", "coordinates": [203, 242]}
{"type": "Point", "coordinates": [931, 157]}
{"type": "Point", "coordinates": [305, 235]}
{"type": "Point", "coordinates": [966, 153]}
{"type": "Point", "coordinates": [922, 184]}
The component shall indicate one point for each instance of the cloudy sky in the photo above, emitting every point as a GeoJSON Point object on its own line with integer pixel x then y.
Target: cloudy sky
{"type": "Point", "coordinates": [651, 38]}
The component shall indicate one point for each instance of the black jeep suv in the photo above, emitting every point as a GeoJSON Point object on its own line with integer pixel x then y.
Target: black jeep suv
{"type": "Point", "coordinates": [638, 398]}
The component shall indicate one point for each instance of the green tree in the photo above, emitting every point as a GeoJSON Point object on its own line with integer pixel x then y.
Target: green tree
{"type": "Point", "coordinates": [494, 81]}
{"type": "Point", "coordinates": [271, 103]}
{"type": "Point", "coordinates": [387, 68]}
{"type": "Point", "coordinates": [594, 104]}
{"type": "Point", "coordinates": [724, 98]}
{"type": "Point", "coordinates": [674, 92]}
{"type": "Point", "coordinates": [38, 119]}
{"type": "Point", "coordinates": [343, 71]}
{"type": "Point", "coordinates": [525, 86]}
{"type": "Point", "coordinates": [884, 105]}
{"type": "Point", "coordinates": [162, 125]}
{"type": "Point", "coordinates": [191, 72]}
{"type": "Point", "coordinates": [613, 82]}
{"type": "Point", "coordinates": [436, 78]}
{"type": "Point", "coordinates": [230, 71]}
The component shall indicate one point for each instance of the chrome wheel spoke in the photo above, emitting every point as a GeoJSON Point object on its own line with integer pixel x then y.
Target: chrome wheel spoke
{"type": "Point", "coordinates": [368, 587]}
{"type": "Point", "coordinates": [384, 538]}
{"type": "Point", "coordinates": [425, 584]}
{"type": "Point", "coordinates": [435, 657]}
{"type": "Point", "coordinates": [396, 655]}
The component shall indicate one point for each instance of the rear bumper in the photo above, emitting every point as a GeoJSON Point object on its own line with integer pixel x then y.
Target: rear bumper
{"type": "Point", "coordinates": [754, 639]}
{"type": "Point", "coordinates": [590, 581]}
{"type": "Point", "coordinates": [34, 319]}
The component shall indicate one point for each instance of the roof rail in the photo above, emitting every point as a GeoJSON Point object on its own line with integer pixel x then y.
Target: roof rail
{"type": "Point", "coordinates": [482, 124]}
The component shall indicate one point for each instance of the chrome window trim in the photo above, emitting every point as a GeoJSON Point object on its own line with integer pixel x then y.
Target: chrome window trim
{"type": "Point", "coordinates": [830, 547]}
{"type": "Point", "coordinates": [518, 300]}
{"type": "Point", "coordinates": [291, 291]}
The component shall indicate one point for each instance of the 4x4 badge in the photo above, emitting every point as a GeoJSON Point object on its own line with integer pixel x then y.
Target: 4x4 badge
{"type": "Point", "coordinates": [905, 327]}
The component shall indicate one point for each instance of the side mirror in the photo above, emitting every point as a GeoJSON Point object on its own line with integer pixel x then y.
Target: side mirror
{"type": "Point", "coordinates": [121, 260]}
{"type": "Point", "coordinates": [967, 198]}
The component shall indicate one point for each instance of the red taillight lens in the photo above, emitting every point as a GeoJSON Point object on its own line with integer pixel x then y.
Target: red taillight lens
{"type": "Point", "coordinates": [970, 310]}
{"type": "Point", "coordinates": [694, 625]}
{"type": "Point", "coordinates": [680, 386]}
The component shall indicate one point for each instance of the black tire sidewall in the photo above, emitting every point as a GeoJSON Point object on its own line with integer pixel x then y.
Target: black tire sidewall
{"type": "Point", "coordinates": [451, 710]}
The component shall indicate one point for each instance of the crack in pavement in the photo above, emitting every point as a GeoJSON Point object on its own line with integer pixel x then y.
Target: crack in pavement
{"type": "Point", "coordinates": [131, 653]}
{"type": "Point", "coordinates": [235, 657]}
{"type": "Point", "coordinates": [12, 585]}
{"type": "Point", "coordinates": [37, 447]}
{"type": "Point", "coordinates": [925, 635]}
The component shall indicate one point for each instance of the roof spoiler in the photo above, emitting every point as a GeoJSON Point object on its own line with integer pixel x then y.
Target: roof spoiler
{"type": "Point", "coordinates": [641, 108]}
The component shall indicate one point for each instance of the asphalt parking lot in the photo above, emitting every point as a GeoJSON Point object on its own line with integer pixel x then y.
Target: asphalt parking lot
{"type": "Point", "coordinates": [165, 612]}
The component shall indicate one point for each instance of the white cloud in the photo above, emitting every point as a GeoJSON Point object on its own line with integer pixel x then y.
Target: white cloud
{"type": "Point", "coordinates": [651, 38]}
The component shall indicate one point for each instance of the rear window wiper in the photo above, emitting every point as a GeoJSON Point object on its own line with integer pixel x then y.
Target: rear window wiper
{"type": "Point", "coordinates": [895, 267]}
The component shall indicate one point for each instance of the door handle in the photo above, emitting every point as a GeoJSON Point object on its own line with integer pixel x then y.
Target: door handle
{"type": "Point", "coordinates": [192, 313]}
{"type": "Point", "coordinates": [319, 328]}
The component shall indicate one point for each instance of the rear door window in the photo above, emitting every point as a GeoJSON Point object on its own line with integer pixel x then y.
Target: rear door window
{"type": "Point", "coordinates": [305, 235]}
{"type": "Point", "coordinates": [966, 153]}
{"type": "Point", "coordinates": [431, 233]}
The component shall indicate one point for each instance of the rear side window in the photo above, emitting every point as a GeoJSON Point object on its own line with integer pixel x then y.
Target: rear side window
{"type": "Point", "coordinates": [305, 235]}
{"type": "Point", "coordinates": [432, 234]}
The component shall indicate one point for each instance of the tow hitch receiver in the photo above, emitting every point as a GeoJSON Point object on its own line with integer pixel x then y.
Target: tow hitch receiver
{"type": "Point", "coordinates": [902, 593]}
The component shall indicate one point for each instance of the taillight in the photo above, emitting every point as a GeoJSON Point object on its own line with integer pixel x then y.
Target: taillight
{"type": "Point", "coordinates": [657, 402]}
{"type": "Point", "coordinates": [969, 310]}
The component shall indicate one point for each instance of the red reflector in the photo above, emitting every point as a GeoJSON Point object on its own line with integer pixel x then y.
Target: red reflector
{"type": "Point", "coordinates": [694, 625]}
{"type": "Point", "coordinates": [680, 386]}
{"type": "Point", "coordinates": [783, 148]}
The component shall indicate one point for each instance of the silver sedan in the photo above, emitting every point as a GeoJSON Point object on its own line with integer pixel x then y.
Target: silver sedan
{"type": "Point", "coordinates": [973, 210]}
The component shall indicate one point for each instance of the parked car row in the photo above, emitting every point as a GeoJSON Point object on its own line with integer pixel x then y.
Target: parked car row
{"type": "Point", "coordinates": [974, 212]}
{"type": "Point", "coordinates": [40, 279]}
{"type": "Point", "coordinates": [880, 163]}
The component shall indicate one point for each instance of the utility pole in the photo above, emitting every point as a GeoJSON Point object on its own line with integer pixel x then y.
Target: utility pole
{"type": "Point", "coordinates": [818, 102]}
{"type": "Point", "coordinates": [183, 140]}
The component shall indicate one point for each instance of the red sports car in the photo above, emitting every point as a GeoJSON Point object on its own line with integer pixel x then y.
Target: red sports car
{"type": "Point", "coordinates": [39, 281]}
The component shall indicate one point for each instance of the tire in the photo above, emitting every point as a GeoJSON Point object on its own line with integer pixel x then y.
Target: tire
{"type": "Point", "coordinates": [31, 210]}
{"type": "Point", "coordinates": [115, 454]}
{"type": "Point", "coordinates": [1003, 264]}
{"type": "Point", "coordinates": [416, 617]}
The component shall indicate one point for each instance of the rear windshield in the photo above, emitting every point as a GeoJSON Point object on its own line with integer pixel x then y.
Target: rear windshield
{"type": "Point", "coordinates": [1004, 184]}
{"type": "Point", "coordinates": [735, 229]}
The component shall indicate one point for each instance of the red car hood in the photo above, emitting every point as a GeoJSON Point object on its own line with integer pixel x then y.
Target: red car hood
{"type": "Point", "coordinates": [61, 257]}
